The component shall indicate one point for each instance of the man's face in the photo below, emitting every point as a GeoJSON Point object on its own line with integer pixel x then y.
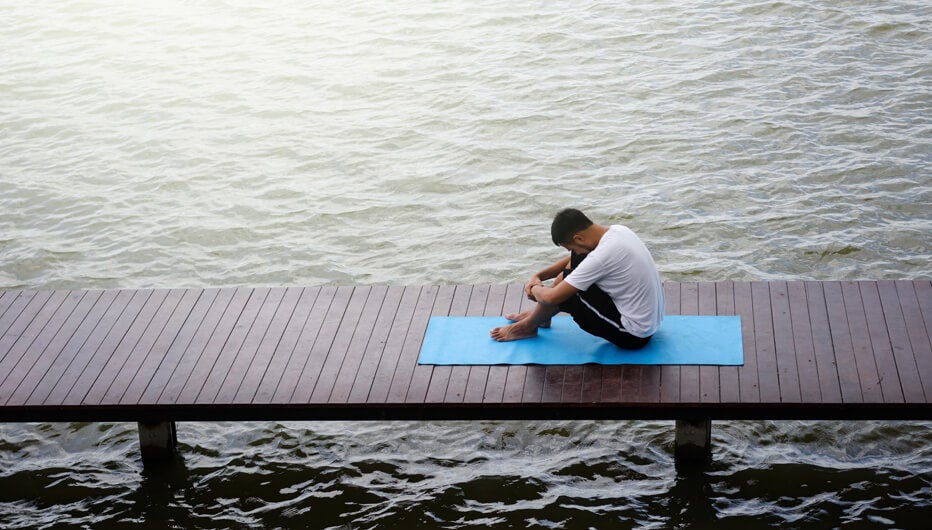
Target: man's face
{"type": "Point", "coordinates": [578, 249]}
{"type": "Point", "coordinates": [578, 245]}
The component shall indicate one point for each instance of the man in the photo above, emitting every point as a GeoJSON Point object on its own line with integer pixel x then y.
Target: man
{"type": "Point", "coordinates": [609, 284]}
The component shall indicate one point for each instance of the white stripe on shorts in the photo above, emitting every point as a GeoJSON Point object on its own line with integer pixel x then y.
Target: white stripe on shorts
{"type": "Point", "coordinates": [603, 317]}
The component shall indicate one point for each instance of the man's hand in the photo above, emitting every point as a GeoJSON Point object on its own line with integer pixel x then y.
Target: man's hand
{"type": "Point", "coordinates": [533, 282]}
{"type": "Point", "coordinates": [553, 295]}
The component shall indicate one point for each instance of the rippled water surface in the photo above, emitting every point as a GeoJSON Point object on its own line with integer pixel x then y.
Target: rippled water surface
{"type": "Point", "coordinates": [170, 143]}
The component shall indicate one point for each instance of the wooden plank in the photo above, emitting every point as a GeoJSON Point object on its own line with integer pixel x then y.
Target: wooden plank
{"type": "Point", "coordinates": [572, 384]}
{"type": "Point", "coordinates": [83, 374]}
{"type": "Point", "coordinates": [516, 375]}
{"type": "Point", "coordinates": [269, 346]}
{"type": "Point", "coordinates": [729, 382]}
{"type": "Point", "coordinates": [205, 387]}
{"type": "Point", "coordinates": [47, 366]}
{"type": "Point", "coordinates": [630, 380]}
{"type": "Point", "coordinates": [478, 381]}
{"type": "Point", "coordinates": [26, 327]}
{"type": "Point", "coordinates": [918, 333]}
{"type": "Point", "coordinates": [569, 389]}
{"type": "Point", "coordinates": [11, 305]}
{"type": "Point", "coordinates": [179, 322]}
{"type": "Point", "coordinates": [185, 352]}
{"type": "Point", "coordinates": [155, 375]}
{"type": "Point", "coordinates": [53, 365]}
{"type": "Point", "coordinates": [534, 375]}
{"type": "Point", "coordinates": [809, 388]}
{"type": "Point", "coordinates": [459, 376]}
{"type": "Point", "coordinates": [327, 355]}
{"type": "Point", "coordinates": [649, 388]}
{"type": "Point", "coordinates": [407, 361]}
{"type": "Point", "coordinates": [841, 342]}
{"type": "Point", "coordinates": [420, 380]}
{"type": "Point", "coordinates": [709, 381]}
{"type": "Point", "coordinates": [880, 342]}
{"type": "Point", "coordinates": [553, 384]}
{"type": "Point", "coordinates": [156, 310]}
{"type": "Point", "coordinates": [767, 368]}
{"type": "Point", "coordinates": [354, 332]}
{"type": "Point", "coordinates": [747, 374]}
{"type": "Point", "coordinates": [6, 300]}
{"type": "Point", "coordinates": [498, 375]}
{"type": "Point", "coordinates": [924, 299]}
{"type": "Point", "coordinates": [356, 374]}
{"type": "Point", "coordinates": [924, 294]}
{"type": "Point", "coordinates": [150, 350]}
{"type": "Point", "coordinates": [670, 375]}
{"type": "Point", "coordinates": [611, 384]}
{"type": "Point", "coordinates": [270, 322]}
{"type": "Point", "coordinates": [126, 390]}
{"type": "Point", "coordinates": [635, 379]}
{"type": "Point", "coordinates": [394, 346]}
{"type": "Point", "coordinates": [120, 371]}
{"type": "Point", "coordinates": [24, 354]}
{"type": "Point", "coordinates": [440, 375]}
{"type": "Point", "coordinates": [281, 389]}
{"type": "Point", "coordinates": [278, 367]}
{"type": "Point", "coordinates": [592, 384]}
{"type": "Point", "coordinates": [186, 387]}
{"type": "Point", "coordinates": [848, 342]}
{"type": "Point", "coordinates": [906, 366]}
{"type": "Point", "coordinates": [784, 343]}
{"type": "Point", "coordinates": [18, 302]}
{"type": "Point", "coordinates": [690, 391]}
{"type": "Point", "coordinates": [829, 384]}
{"type": "Point", "coordinates": [866, 364]}
{"type": "Point", "coordinates": [317, 353]}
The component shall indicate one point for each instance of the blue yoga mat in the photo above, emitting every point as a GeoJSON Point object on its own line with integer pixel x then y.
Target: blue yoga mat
{"type": "Point", "coordinates": [683, 339]}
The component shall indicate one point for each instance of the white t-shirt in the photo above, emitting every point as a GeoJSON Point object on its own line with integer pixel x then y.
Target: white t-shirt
{"type": "Point", "coordinates": [622, 266]}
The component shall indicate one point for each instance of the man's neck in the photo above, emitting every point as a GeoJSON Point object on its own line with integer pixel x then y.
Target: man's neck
{"type": "Point", "coordinates": [593, 235]}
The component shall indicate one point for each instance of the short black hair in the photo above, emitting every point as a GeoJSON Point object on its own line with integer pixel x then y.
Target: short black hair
{"type": "Point", "coordinates": [566, 223]}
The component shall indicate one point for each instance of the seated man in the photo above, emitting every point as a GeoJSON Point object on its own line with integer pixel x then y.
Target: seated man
{"type": "Point", "coordinates": [609, 284]}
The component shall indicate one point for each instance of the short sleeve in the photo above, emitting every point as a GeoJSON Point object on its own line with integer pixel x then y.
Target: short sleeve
{"type": "Point", "coordinates": [586, 273]}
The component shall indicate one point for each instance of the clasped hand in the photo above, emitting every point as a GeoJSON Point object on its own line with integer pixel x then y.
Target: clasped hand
{"type": "Point", "coordinates": [531, 284]}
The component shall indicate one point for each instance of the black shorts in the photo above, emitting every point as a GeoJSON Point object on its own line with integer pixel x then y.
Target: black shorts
{"type": "Point", "coordinates": [595, 312]}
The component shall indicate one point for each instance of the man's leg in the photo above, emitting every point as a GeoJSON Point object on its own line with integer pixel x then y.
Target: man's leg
{"type": "Point", "coordinates": [526, 327]}
{"type": "Point", "coordinates": [595, 313]}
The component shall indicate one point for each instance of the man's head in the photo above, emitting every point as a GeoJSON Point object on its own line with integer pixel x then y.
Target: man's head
{"type": "Point", "coordinates": [566, 224]}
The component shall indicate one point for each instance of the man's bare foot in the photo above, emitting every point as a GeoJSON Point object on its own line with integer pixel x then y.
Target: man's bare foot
{"type": "Point", "coordinates": [512, 332]}
{"type": "Point", "coordinates": [517, 317]}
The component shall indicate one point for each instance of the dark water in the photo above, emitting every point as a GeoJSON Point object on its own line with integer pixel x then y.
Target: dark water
{"type": "Point", "coordinates": [469, 475]}
{"type": "Point", "coordinates": [218, 143]}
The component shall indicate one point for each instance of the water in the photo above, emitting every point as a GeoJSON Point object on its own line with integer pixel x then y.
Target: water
{"type": "Point", "coordinates": [179, 144]}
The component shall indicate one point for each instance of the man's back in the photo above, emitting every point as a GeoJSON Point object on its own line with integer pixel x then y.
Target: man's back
{"type": "Point", "coordinates": [622, 266]}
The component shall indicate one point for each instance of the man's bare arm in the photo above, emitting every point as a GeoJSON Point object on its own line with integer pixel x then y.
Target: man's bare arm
{"type": "Point", "coordinates": [546, 274]}
{"type": "Point", "coordinates": [553, 295]}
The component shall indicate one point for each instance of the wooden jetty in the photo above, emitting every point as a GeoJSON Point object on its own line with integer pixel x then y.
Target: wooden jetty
{"type": "Point", "coordinates": [851, 350]}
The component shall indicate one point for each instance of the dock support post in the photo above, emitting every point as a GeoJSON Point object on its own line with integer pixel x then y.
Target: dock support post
{"type": "Point", "coordinates": [157, 440]}
{"type": "Point", "coordinates": [693, 443]}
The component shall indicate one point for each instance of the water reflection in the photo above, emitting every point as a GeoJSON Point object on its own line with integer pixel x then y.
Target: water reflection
{"type": "Point", "coordinates": [163, 497]}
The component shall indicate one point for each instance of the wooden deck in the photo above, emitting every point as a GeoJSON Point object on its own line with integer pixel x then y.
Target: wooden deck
{"type": "Point", "coordinates": [819, 350]}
